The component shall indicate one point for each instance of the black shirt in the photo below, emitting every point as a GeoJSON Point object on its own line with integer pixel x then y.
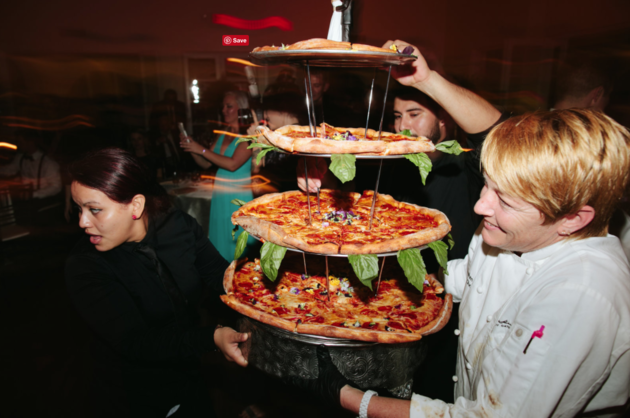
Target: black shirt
{"type": "Point", "coordinates": [146, 356]}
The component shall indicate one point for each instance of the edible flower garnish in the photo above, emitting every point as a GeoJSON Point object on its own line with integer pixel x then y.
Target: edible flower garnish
{"type": "Point", "coordinates": [284, 47]}
{"type": "Point", "coordinates": [338, 136]}
{"type": "Point", "coordinates": [294, 291]}
{"type": "Point", "coordinates": [356, 324]}
{"type": "Point", "coordinates": [304, 276]}
{"type": "Point", "coordinates": [325, 224]}
{"type": "Point", "coordinates": [341, 216]}
{"type": "Point", "coordinates": [301, 305]}
{"type": "Point", "coordinates": [393, 47]}
{"type": "Point", "coordinates": [333, 281]}
{"type": "Point", "coordinates": [398, 306]}
{"type": "Point", "coordinates": [276, 297]}
{"type": "Point", "coordinates": [426, 283]}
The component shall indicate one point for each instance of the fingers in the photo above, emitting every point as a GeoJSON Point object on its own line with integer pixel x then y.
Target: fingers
{"type": "Point", "coordinates": [227, 340]}
{"type": "Point", "coordinates": [255, 118]}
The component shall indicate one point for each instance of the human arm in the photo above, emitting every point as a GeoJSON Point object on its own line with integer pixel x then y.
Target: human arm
{"type": "Point", "coordinates": [233, 163]}
{"type": "Point", "coordinates": [319, 177]}
{"type": "Point", "coordinates": [471, 112]}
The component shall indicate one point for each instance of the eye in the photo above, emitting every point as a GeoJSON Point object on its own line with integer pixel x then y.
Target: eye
{"type": "Point", "coordinates": [397, 116]}
{"type": "Point", "coordinates": [413, 115]}
{"type": "Point", "coordinates": [94, 211]}
{"type": "Point", "coordinates": [504, 203]}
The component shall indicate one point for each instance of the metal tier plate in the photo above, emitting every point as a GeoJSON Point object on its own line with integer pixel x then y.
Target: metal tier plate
{"type": "Point", "coordinates": [331, 58]}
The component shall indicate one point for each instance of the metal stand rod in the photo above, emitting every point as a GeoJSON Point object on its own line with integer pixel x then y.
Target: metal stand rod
{"type": "Point", "coordinates": [304, 257]}
{"type": "Point", "coordinates": [319, 209]}
{"type": "Point", "coordinates": [308, 195]}
{"type": "Point", "coordinates": [310, 92]}
{"type": "Point", "coordinates": [308, 109]}
{"type": "Point", "coordinates": [380, 126]}
{"type": "Point", "coordinates": [327, 279]}
{"type": "Point", "coordinates": [380, 273]}
{"type": "Point", "coordinates": [367, 122]}
{"type": "Point", "coordinates": [378, 179]}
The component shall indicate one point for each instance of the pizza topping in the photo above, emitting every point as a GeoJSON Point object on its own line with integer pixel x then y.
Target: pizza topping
{"type": "Point", "coordinates": [338, 136]}
{"type": "Point", "coordinates": [294, 291]}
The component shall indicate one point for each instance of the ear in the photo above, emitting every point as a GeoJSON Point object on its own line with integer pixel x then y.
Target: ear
{"type": "Point", "coordinates": [595, 96]}
{"type": "Point", "coordinates": [573, 223]}
{"type": "Point", "coordinates": [137, 205]}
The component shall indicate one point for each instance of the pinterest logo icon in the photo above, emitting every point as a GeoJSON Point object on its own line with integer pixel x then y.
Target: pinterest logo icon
{"type": "Point", "coordinates": [235, 40]}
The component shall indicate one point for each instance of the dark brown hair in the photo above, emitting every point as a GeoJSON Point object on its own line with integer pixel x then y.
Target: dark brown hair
{"type": "Point", "coordinates": [120, 176]}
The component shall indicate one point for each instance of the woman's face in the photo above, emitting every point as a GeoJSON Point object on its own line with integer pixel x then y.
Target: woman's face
{"type": "Point", "coordinates": [512, 224]}
{"type": "Point", "coordinates": [108, 223]}
{"type": "Point", "coordinates": [230, 109]}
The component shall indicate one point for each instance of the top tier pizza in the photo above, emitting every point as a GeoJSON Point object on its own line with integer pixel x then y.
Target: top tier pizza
{"type": "Point", "coordinates": [331, 140]}
{"type": "Point", "coordinates": [320, 43]}
{"type": "Point", "coordinates": [341, 225]}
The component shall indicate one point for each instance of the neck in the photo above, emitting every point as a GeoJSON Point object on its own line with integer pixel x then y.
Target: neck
{"type": "Point", "coordinates": [140, 229]}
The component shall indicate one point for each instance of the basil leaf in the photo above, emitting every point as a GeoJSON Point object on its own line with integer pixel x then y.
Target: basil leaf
{"type": "Point", "coordinates": [365, 266]}
{"type": "Point", "coordinates": [450, 147]}
{"type": "Point", "coordinates": [259, 145]}
{"type": "Point", "coordinates": [271, 256]}
{"type": "Point", "coordinates": [343, 166]}
{"type": "Point", "coordinates": [440, 249]}
{"type": "Point", "coordinates": [423, 162]}
{"type": "Point", "coordinates": [237, 202]}
{"type": "Point", "coordinates": [405, 132]}
{"type": "Point", "coordinates": [451, 241]}
{"type": "Point", "coordinates": [245, 139]}
{"type": "Point", "coordinates": [241, 242]}
{"type": "Point", "coordinates": [262, 153]}
{"type": "Point", "coordinates": [234, 232]}
{"type": "Point", "coordinates": [413, 265]}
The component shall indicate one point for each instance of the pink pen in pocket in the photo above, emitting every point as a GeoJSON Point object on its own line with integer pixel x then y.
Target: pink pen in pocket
{"type": "Point", "coordinates": [536, 334]}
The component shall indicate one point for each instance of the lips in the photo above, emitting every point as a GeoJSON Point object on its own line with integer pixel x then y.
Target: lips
{"type": "Point", "coordinates": [490, 226]}
{"type": "Point", "coordinates": [95, 239]}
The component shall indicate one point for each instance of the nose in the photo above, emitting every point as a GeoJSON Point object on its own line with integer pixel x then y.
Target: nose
{"type": "Point", "coordinates": [483, 206]}
{"type": "Point", "coordinates": [84, 222]}
{"type": "Point", "coordinates": [405, 123]}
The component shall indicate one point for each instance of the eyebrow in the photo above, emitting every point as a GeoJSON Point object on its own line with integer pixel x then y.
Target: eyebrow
{"type": "Point", "coordinates": [415, 109]}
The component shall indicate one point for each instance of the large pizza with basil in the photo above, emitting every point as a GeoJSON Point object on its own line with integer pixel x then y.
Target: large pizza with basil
{"type": "Point", "coordinates": [339, 307]}
{"type": "Point", "coordinates": [330, 140]}
{"type": "Point", "coordinates": [325, 44]}
{"type": "Point", "coordinates": [340, 223]}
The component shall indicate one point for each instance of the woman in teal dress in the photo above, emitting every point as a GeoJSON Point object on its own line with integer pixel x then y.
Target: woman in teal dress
{"type": "Point", "coordinates": [233, 177]}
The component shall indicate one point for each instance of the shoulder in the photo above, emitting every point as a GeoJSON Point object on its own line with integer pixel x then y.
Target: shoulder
{"type": "Point", "coordinates": [85, 261]}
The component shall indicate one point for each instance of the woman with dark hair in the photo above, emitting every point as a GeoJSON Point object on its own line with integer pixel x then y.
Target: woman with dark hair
{"type": "Point", "coordinates": [233, 178]}
{"type": "Point", "coordinates": [137, 279]}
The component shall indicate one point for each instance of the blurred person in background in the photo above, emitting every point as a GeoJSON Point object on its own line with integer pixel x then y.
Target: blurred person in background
{"type": "Point", "coordinates": [32, 169]}
{"type": "Point", "coordinates": [137, 278]}
{"type": "Point", "coordinates": [169, 106]}
{"type": "Point", "coordinates": [277, 170]}
{"type": "Point", "coordinates": [233, 176]}
{"type": "Point", "coordinates": [164, 140]}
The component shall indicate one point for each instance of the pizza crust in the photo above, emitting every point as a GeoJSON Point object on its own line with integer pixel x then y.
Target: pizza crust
{"type": "Point", "coordinates": [249, 311]}
{"type": "Point", "coordinates": [318, 145]}
{"type": "Point", "coordinates": [321, 43]}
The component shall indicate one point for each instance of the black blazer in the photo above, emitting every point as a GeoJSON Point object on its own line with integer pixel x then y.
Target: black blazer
{"type": "Point", "coordinates": [146, 359]}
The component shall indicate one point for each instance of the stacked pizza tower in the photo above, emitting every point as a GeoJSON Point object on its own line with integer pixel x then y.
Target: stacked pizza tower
{"type": "Point", "coordinates": [350, 293]}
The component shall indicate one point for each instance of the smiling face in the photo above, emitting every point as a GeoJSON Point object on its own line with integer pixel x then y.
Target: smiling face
{"type": "Point", "coordinates": [108, 223]}
{"type": "Point", "coordinates": [418, 119]}
{"type": "Point", "coordinates": [512, 224]}
{"type": "Point", "coordinates": [230, 109]}
{"type": "Point", "coordinates": [277, 119]}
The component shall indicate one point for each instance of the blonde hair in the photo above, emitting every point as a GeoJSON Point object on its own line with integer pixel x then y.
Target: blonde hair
{"type": "Point", "coordinates": [560, 161]}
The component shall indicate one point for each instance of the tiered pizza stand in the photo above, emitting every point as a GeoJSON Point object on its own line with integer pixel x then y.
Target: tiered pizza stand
{"type": "Point", "coordinates": [282, 353]}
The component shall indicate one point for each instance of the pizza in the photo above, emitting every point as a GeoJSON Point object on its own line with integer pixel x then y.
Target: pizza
{"type": "Point", "coordinates": [327, 44]}
{"type": "Point", "coordinates": [343, 308]}
{"type": "Point", "coordinates": [331, 140]}
{"type": "Point", "coordinates": [341, 225]}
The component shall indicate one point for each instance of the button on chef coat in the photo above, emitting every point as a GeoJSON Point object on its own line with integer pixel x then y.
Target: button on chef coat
{"type": "Point", "coordinates": [572, 288]}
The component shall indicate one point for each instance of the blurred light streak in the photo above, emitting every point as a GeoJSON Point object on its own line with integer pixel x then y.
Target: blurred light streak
{"type": "Point", "coordinates": [244, 62]}
{"type": "Point", "coordinates": [194, 89]}
{"type": "Point", "coordinates": [7, 145]}
{"type": "Point", "coordinates": [234, 135]}
{"type": "Point", "coordinates": [505, 62]}
{"type": "Point", "coordinates": [238, 23]}
{"type": "Point", "coordinates": [231, 183]}
{"type": "Point", "coordinates": [46, 125]}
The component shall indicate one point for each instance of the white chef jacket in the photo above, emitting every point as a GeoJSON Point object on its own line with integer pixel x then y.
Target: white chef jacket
{"type": "Point", "coordinates": [579, 290]}
{"type": "Point", "coordinates": [49, 178]}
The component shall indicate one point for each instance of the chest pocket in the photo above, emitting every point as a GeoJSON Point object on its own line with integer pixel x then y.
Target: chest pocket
{"type": "Point", "coordinates": [507, 370]}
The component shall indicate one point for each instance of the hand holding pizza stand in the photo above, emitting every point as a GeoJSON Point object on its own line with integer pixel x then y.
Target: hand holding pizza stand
{"type": "Point", "coordinates": [286, 354]}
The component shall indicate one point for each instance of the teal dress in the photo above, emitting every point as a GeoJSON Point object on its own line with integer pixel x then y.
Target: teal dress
{"type": "Point", "coordinates": [229, 185]}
